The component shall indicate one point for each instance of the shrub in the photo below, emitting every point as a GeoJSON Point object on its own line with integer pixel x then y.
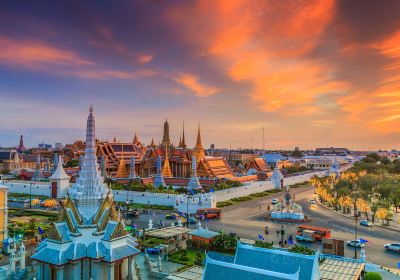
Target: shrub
{"type": "Point", "coordinates": [263, 244]}
{"type": "Point", "coordinates": [224, 203]}
{"type": "Point", "coordinates": [301, 250]}
{"type": "Point", "coordinates": [373, 276]}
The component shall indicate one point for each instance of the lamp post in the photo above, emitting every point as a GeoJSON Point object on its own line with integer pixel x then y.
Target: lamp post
{"type": "Point", "coordinates": [356, 215]}
{"type": "Point", "coordinates": [30, 195]}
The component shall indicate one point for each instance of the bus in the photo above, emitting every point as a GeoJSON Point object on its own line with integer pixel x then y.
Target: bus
{"type": "Point", "coordinates": [319, 231]}
{"type": "Point", "coordinates": [210, 213]}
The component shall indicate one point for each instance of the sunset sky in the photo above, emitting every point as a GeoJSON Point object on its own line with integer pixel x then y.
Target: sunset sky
{"type": "Point", "coordinates": [313, 73]}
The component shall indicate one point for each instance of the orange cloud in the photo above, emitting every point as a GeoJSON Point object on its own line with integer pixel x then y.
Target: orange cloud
{"type": "Point", "coordinates": [191, 82]}
{"type": "Point", "coordinates": [39, 56]}
{"type": "Point", "coordinates": [30, 53]}
{"type": "Point", "coordinates": [265, 43]}
{"type": "Point", "coordinates": [144, 58]}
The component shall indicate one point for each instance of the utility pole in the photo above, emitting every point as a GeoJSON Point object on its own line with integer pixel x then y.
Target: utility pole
{"type": "Point", "coordinates": [263, 140]}
{"type": "Point", "coordinates": [356, 215]}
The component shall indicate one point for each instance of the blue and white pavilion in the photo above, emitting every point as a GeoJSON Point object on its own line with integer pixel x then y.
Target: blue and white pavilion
{"type": "Point", "coordinates": [89, 240]}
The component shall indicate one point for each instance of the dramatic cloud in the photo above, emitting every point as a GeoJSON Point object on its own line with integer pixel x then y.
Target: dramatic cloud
{"type": "Point", "coordinates": [313, 73]}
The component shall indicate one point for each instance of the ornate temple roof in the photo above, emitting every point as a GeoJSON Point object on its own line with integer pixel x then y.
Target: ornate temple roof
{"type": "Point", "coordinates": [89, 226]}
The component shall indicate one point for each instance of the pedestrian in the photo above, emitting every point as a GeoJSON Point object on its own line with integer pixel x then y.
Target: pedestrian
{"type": "Point", "coordinates": [278, 232]}
{"type": "Point", "coordinates": [268, 207]}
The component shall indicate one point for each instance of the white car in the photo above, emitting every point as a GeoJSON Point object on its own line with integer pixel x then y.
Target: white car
{"type": "Point", "coordinates": [312, 201]}
{"type": "Point", "coordinates": [395, 247]}
{"type": "Point", "coordinates": [355, 243]}
{"type": "Point", "coordinates": [274, 201]}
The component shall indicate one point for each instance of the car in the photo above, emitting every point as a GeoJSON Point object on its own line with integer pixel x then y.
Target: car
{"type": "Point", "coordinates": [355, 243]}
{"type": "Point", "coordinates": [395, 247]}
{"type": "Point", "coordinates": [171, 216]}
{"type": "Point", "coordinates": [274, 201]}
{"type": "Point", "coordinates": [366, 223]}
{"type": "Point", "coordinates": [312, 201]}
{"type": "Point", "coordinates": [192, 221]}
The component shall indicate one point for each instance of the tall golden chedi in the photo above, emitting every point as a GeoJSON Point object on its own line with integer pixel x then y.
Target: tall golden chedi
{"type": "Point", "coordinates": [122, 172]}
{"type": "Point", "coordinates": [166, 172]}
{"type": "Point", "coordinates": [198, 150]}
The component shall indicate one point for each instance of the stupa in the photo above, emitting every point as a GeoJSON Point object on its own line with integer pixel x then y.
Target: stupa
{"type": "Point", "coordinates": [89, 240]}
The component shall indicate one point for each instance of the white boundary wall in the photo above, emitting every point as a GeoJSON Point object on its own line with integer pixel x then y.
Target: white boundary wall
{"type": "Point", "coordinates": [260, 186]}
{"type": "Point", "coordinates": [203, 200]}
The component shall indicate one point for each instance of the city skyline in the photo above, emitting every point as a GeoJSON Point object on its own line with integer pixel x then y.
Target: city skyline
{"type": "Point", "coordinates": [321, 73]}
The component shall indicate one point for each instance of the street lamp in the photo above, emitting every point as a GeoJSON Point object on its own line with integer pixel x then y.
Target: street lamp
{"type": "Point", "coordinates": [356, 215]}
{"type": "Point", "coordinates": [30, 195]}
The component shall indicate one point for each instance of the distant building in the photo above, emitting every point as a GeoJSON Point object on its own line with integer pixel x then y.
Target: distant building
{"type": "Point", "coordinates": [9, 159]}
{"type": "Point", "coordinates": [332, 151]}
{"type": "Point", "coordinates": [58, 147]}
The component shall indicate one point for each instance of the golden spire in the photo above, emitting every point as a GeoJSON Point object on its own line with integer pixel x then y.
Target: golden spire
{"type": "Point", "coordinates": [136, 139]}
{"type": "Point", "coordinates": [198, 142]}
{"type": "Point", "coordinates": [152, 144]}
{"type": "Point", "coordinates": [198, 150]}
{"type": "Point", "coordinates": [166, 172]}
{"type": "Point", "coordinates": [122, 171]}
{"type": "Point", "coordinates": [183, 143]}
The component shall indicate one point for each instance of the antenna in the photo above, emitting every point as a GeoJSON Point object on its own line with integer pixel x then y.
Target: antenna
{"type": "Point", "coordinates": [263, 139]}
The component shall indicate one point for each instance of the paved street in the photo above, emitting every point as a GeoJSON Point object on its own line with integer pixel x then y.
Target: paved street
{"type": "Point", "coordinates": [246, 220]}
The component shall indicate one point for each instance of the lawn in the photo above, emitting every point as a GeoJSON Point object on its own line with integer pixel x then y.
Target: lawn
{"type": "Point", "coordinates": [245, 198]}
{"type": "Point", "coordinates": [188, 257]}
{"type": "Point", "coordinates": [147, 206]}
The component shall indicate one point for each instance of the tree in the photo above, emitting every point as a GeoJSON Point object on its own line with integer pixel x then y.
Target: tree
{"type": "Point", "coordinates": [372, 276]}
{"type": "Point", "coordinates": [297, 153]}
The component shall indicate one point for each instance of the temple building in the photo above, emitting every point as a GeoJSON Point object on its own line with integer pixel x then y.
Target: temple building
{"type": "Point", "coordinates": [214, 167]}
{"type": "Point", "coordinates": [89, 240]}
{"type": "Point", "coordinates": [21, 148]}
{"type": "Point", "coordinates": [179, 157]}
{"type": "Point", "coordinates": [198, 150]}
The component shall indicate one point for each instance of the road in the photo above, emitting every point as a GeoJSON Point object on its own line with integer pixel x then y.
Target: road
{"type": "Point", "coordinates": [246, 219]}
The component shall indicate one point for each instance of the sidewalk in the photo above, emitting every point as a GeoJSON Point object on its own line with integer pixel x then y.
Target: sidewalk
{"type": "Point", "coordinates": [397, 229]}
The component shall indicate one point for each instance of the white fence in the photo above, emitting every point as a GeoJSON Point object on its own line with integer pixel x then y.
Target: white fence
{"type": "Point", "coordinates": [260, 186]}
{"type": "Point", "coordinates": [205, 201]}
{"type": "Point", "coordinates": [35, 188]}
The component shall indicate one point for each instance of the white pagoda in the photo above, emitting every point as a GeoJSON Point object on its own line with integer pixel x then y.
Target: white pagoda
{"type": "Point", "coordinates": [89, 240]}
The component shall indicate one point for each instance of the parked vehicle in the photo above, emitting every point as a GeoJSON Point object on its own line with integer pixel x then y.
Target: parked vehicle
{"type": "Point", "coordinates": [306, 236]}
{"type": "Point", "coordinates": [366, 223]}
{"type": "Point", "coordinates": [312, 201]}
{"type": "Point", "coordinates": [355, 243]}
{"type": "Point", "coordinates": [210, 213]}
{"type": "Point", "coordinates": [319, 232]}
{"type": "Point", "coordinates": [274, 201]}
{"type": "Point", "coordinates": [171, 216]}
{"type": "Point", "coordinates": [395, 247]}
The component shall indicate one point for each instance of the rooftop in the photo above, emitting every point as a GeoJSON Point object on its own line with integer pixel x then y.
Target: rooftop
{"type": "Point", "coordinates": [167, 232]}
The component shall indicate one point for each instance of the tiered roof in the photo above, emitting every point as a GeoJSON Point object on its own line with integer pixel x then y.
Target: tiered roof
{"type": "Point", "coordinates": [214, 167]}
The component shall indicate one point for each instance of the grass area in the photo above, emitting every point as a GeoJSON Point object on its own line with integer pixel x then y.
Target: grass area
{"type": "Point", "coordinates": [26, 195]}
{"type": "Point", "coordinates": [252, 196]}
{"type": "Point", "coordinates": [245, 198]}
{"type": "Point", "coordinates": [188, 257]}
{"type": "Point", "coordinates": [32, 213]}
{"type": "Point", "coordinates": [146, 206]}
{"type": "Point", "coordinates": [150, 242]}
{"type": "Point", "coordinates": [298, 185]}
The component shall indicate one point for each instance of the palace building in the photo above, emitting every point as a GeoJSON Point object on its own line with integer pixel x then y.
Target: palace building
{"type": "Point", "coordinates": [89, 240]}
